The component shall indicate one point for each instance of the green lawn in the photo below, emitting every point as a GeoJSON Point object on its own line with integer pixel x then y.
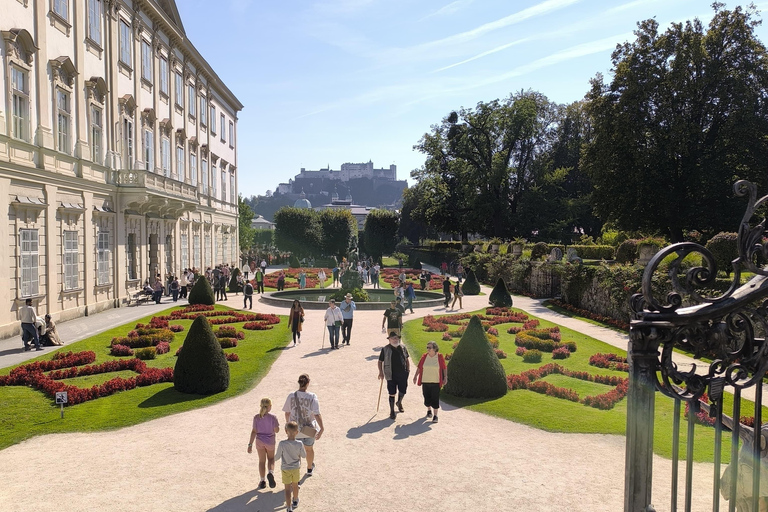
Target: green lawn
{"type": "Point", "coordinates": [25, 412]}
{"type": "Point", "coordinates": [559, 415]}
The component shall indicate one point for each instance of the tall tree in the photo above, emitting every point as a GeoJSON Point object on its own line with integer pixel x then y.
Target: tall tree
{"type": "Point", "coordinates": [482, 161]}
{"type": "Point", "coordinates": [684, 116]}
{"type": "Point", "coordinates": [338, 228]}
{"type": "Point", "coordinates": [245, 230]}
{"type": "Point", "coordinates": [297, 230]}
{"type": "Point", "coordinates": [380, 232]}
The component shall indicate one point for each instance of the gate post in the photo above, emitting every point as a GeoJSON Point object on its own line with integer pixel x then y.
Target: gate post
{"type": "Point", "coordinates": [638, 462]}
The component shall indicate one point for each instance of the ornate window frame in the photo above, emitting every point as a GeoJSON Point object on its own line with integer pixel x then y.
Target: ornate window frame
{"type": "Point", "coordinates": [96, 93]}
{"type": "Point", "coordinates": [63, 74]}
{"type": "Point", "coordinates": [20, 51]}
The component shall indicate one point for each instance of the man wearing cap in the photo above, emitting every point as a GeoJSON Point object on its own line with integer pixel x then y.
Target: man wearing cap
{"type": "Point", "coordinates": [394, 366]}
{"type": "Point", "coordinates": [348, 308]}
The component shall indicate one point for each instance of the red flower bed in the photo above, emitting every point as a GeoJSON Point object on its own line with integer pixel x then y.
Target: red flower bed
{"type": "Point", "coordinates": [232, 357]}
{"type": "Point", "coordinates": [227, 342]}
{"type": "Point", "coordinates": [604, 401]}
{"type": "Point", "coordinates": [226, 317]}
{"type": "Point", "coordinates": [145, 340]}
{"type": "Point", "coordinates": [162, 348]}
{"type": "Point", "coordinates": [33, 375]}
{"type": "Point", "coordinates": [446, 336]}
{"type": "Point", "coordinates": [257, 326]}
{"type": "Point", "coordinates": [120, 350]}
{"type": "Point", "coordinates": [176, 328]}
{"type": "Point", "coordinates": [228, 331]}
{"type": "Point", "coordinates": [519, 351]}
{"type": "Point", "coordinates": [610, 361]}
{"type": "Point", "coordinates": [561, 353]}
{"type": "Point", "coordinates": [433, 325]}
{"type": "Point", "coordinates": [500, 353]}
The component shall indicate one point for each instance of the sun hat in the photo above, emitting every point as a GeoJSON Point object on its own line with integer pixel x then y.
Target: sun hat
{"type": "Point", "coordinates": [348, 296]}
{"type": "Point", "coordinates": [393, 334]}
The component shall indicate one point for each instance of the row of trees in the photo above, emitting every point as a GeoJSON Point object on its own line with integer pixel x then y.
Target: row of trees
{"type": "Point", "coordinates": [333, 233]}
{"type": "Point", "coordinates": [656, 149]}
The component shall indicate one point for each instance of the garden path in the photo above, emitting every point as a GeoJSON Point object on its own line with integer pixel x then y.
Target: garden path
{"type": "Point", "coordinates": [197, 460]}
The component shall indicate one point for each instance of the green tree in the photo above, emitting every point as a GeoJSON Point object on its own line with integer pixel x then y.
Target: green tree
{"type": "Point", "coordinates": [380, 232]}
{"type": "Point", "coordinates": [684, 116]}
{"type": "Point", "coordinates": [474, 370]}
{"type": "Point", "coordinates": [263, 237]}
{"type": "Point", "coordinates": [297, 230]}
{"type": "Point", "coordinates": [245, 230]}
{"type": "Point", "coordinates": [481, 162]}
{"type": "Point", "coordinates": [337, 228]}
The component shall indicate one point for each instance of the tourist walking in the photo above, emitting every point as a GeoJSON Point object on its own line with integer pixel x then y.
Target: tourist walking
{"type": "Point", "coordinates": [321, 277]}
{"type": "Point", "coordinates": [265, 426]}
{"type": "Point", "coordinates": [175, 289]}
{"type": "Point", "coordinates": [259, 281]}
{"type": "Point", "coordinates": [29, 332]}
{"type": "Point", "coordinates": [410, 295]}
{"type": "Point", "coordinates": [264, 266]}
{"type": "Point", "coordinates": [457, 294]}
{"type": "Point", "coordinates": [248, 295]}
{"type": "Point", "coordinates": [302, 279]}
{"type": "Point", "coordinates": [423, 280]}
{"type": "Point", "coordinates": [303, 407]}
{"type": "Point", "coordinates": [375, 275]}
{"type": "Point", "coordinates": [393, 317]}
{"type": "Point", "coordinates": [394, 366]}
{"type": "Point", "coordinates": [183, 285]}
{"type": "Point", "coordinates": [291, 451]}
{"type": "Point", "coordinates": [431, 374]}
{"type": "Point", "coordinates": [333, 320]}
{"type": "Point", "coordinates": [157, 290]}
{"type": "Point", "coordinates": [447, 290]}
{"type": "Point", "coordinates": [296, 319]}
{"type": "Point", "coordinates": [348, 308]}
{"type": "Point", "coordinates": [223, 286]}
{"type": "Point", "coordinates": [335, 273]}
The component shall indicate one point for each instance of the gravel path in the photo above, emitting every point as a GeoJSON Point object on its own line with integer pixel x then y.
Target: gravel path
{"type": "Point", "coordinates": [197, 460]}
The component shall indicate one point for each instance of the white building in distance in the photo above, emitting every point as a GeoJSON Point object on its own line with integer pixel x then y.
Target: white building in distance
{"type": "Point", "coordinates": [118, 154]}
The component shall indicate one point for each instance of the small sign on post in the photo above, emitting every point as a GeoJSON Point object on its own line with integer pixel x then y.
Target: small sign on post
{"type": "Point", "coordinates": [61, 398]}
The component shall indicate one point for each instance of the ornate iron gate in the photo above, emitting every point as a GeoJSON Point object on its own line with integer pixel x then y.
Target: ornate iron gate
{"type": "Point", "coordinates": [730, 329]}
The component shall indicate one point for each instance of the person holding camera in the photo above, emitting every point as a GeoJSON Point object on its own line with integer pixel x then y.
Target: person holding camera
{"type": "Point", "coordinates": [303, 407]}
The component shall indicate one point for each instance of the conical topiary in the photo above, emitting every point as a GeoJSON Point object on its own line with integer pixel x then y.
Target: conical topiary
{"type": "Point", "coordinates": [474, 370]}
{"type": "Point", "coordinates": [234, 286]}
{"type": "Point", "coordinates": [471, 286]}
{"type": "Point", "coordinates": [500, 296]}
{"type": "Point", "coordinates": [202, 367]}
{"type": "Point", "coordinates": [201, 292]}
{"type": "Point", "coordinates": [294, 262]}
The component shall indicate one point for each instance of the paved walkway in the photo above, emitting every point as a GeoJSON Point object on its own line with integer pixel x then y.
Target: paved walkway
{"type": "Point", "coordinates": [197, 460]}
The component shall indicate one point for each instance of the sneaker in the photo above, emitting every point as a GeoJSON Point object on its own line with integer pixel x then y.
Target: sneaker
{"type": "Point", "coordinates": [311, 471]}
{"type": "Point", "coordinates": [429, 414]}
{"type": "Point", "coordinates": [39, 348]}
{"type": "Point", "coordinates": [295, 503]}
{"type": "Point", "coordinates": [434, 420]}
{"type": "Point", "coordinates": [271, 479]}
{"type": "Point", "coordinates": [400, 407]}
{"type": "Point", "coordinates": [289, 509]}
{"type": "Point", "coordinates": [262, 485]}
{"type": "Point", "coordinates": [26, 349]}
{"type": "Point", "coordinates": [392, 415]}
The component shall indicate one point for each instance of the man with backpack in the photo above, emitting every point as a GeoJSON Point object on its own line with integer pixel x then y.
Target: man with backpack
{"type": "Point", "coordinates": [248, 295]}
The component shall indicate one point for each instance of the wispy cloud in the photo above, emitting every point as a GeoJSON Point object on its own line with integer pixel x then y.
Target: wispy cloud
{"type": "Point", "coordinates": [540, 9]}
{"type": "Point", "coordinates": [629, 5]}
{"type": "Point", "coordinates": [448, 9]}
{"type": "Point", "coordinates": [485, 54]}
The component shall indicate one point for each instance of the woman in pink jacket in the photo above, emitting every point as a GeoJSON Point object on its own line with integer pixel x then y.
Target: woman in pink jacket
{"type": "Point", "coordinates": [431, 375]}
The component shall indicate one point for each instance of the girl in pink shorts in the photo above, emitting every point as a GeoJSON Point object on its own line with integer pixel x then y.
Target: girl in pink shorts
{"type": "Point", "coordinates": [265, 426]}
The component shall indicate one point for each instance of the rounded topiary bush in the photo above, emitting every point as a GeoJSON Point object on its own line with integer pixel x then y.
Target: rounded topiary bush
{"type": "Point", "coordinates": [723, 247]}
{"type": "Point", "coordinates": [500, 297]}
{"type": "Point", "coordinates": [474, 370]}
{"type": "Point", "coordinates": [202, 366]}
{"type": "Point", "coordinates": [471, 286]}
{"type": "Point", "coordinates": [627, 251]}
{"type": "Point", "coordinates": [539, 250]}
{"type": "Point", "coordinates": [201, 292]}
{"type": "Point", "coordinates": [532, 356]}
{"type": "Point", "coordinates": [294, 262]}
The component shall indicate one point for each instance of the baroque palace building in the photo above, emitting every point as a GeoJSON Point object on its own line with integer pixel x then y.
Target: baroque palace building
{"type": "Point", "coordinates": [118, 154]}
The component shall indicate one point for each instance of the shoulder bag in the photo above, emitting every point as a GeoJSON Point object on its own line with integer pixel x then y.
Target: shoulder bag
{"type": "Point", "coordinates": [305, 428]}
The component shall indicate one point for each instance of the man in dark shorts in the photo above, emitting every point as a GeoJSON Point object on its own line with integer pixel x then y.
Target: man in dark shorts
{"type": "Point", "coordinates": [395, 365]}
{"type": "Point", "coordinates": [393, 317]}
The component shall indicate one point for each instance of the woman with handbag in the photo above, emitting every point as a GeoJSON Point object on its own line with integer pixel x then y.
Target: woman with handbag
{"type": "Point", "coordinates": [295, 319]}
{"type": "Point", "coordinates": [302, 407]}
{"type": "Point", "coordinates": [333, 320]}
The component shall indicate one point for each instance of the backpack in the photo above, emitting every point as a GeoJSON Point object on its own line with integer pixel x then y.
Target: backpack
{"type": "Point", "coordinates": [248, 290]}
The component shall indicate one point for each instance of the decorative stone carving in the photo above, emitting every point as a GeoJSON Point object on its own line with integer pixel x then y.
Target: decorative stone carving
{"type": "Point", "coordinates": [556, 254]}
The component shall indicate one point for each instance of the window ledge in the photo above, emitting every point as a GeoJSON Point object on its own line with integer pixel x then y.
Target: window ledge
{"type": "Point", "coordinates": [146, 84]}
{"type": "Point", "coordinates": [125, 68]}
{"type": "Point", "coordinates": [60, 22]}
{"type": "Point", "coordinates": [94, 46]}
{"type": "Point", "coordinates": [73, 290]}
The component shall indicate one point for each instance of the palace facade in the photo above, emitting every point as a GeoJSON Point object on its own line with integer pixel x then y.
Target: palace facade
{"type": "Point", "coordinates": [118, 154]}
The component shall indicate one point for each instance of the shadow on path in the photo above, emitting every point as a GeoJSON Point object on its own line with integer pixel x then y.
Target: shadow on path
{"type": "Point", "coordinates": [368, 428]}
{"type": "Point", "coordinates": [168, 396]}
{"type": "Point", "coordinates": [419, 426]}
{"type": "Point", "coordinates": [318, 352]}
{"type": "Point", "coordinates": [253, 501]}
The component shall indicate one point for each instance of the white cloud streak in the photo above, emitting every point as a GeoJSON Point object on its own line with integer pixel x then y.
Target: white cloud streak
{"type": "Point", "coordinates": [449, 9]}
{"type": "Point", "coordinates": [485, 54]}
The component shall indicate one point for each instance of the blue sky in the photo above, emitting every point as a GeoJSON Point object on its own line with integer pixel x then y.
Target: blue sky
{"type": "Point", "coordinates": [331, 81]}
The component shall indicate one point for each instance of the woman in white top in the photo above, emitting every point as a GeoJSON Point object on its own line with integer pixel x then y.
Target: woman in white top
{"type": "Point", "coordinates": [333, 321]}
{"type": "Point", "coordinates": [321, 277]}
{"type": "Point", "coordinates": [431, 375]}
{"type": "Point", "coordinates": [303, 403]}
